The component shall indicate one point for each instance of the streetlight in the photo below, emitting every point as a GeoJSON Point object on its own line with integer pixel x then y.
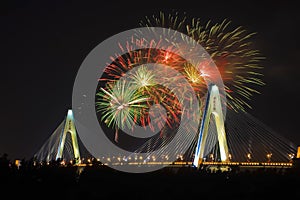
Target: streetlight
{"type": "Point", "coordinates": [249, 157]}
{"type": "Point", "coordinates": [229, 157]}
{"type": "Point", "coordinates": [211, 156]}
{"type": "Point", "coordinates": [269, 155]}
{"type": "Point", "coordinates": [291, 156]}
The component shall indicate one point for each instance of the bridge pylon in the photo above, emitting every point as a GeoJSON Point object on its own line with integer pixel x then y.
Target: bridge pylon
{"type": "Point", "coordinates": [69, 128]}
{"type": "Point", "coordinates": [213, 107]}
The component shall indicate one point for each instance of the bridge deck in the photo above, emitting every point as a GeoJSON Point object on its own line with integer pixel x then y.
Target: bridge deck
{"type": "Point", "coordinates": [241, 164]}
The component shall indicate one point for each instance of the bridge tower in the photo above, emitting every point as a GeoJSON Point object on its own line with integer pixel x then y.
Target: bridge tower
{"type": "Point", "coordinates": [298, 152]}
{"type": "Point", "coordinates": [69, 128]}
{"type": "Point", "coordinates": [213, 107]}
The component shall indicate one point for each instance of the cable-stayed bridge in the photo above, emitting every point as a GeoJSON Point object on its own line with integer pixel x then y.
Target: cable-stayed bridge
{"type": "Point", "coordinates": [237, 139]}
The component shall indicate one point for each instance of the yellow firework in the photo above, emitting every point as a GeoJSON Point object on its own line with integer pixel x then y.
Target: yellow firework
{"type": "Point", "coordinates": [231, 48]}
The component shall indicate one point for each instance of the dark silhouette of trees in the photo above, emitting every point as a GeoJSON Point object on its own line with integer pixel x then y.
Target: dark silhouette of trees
{"type": "Point", "coordinates": [96, 181]}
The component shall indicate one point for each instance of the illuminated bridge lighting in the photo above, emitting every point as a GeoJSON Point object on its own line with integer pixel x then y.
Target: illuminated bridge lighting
{"type": "Point", "coordinates": [190, 164]}
{"type": "Point", "coordinates": [235, 146]}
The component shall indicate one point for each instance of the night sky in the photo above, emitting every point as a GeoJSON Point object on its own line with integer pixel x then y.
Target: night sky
{"type": "Point", "coordinates": [44, 44]}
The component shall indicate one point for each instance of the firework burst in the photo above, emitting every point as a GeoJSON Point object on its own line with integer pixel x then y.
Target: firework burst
{"type": "Point", "coordinates": [148, 81]}
{"type": "Point", "coordinates": [230, 48]}
{"type": "Point", "coordinates": [143, 78]}
{"type": "Point", "coordinates": [120, 105]}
